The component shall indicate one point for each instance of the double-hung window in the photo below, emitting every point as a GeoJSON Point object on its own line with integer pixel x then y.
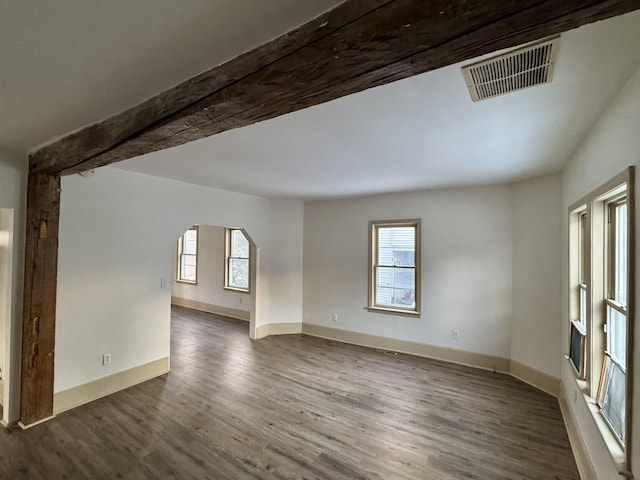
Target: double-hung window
{"type": "Point", "coordinates": [580, 315]}
{"type": "Point", "coordinates": [601, 308]}
{"type": "Point", "coordinates": [187, 268]}
{"type": "Point", "coordinates": [612, 388]}
{"type": "Point", "coordinates": [236, 274]}
{"type": "Point", "coordinates": [394, 276]}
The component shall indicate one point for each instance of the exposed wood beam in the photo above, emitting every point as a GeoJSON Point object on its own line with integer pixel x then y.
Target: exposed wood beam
{"type": "Point", "coordinates": [358, 45]}
{"type": "Point", "coordinates": [40, 284]}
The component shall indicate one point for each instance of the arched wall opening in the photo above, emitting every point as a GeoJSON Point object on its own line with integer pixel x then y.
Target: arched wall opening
{"type": "Point", "coordinates": [201, 269]}
{"type": "Point", "coordinates": [117, 246]}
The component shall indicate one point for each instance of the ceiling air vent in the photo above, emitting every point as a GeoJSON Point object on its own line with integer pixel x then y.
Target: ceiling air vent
{"type": "Point", "coordinates": [522, 68]}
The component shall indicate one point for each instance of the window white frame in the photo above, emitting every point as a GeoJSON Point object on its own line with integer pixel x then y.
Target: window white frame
{"type": "Point", "coordinates": [229, 258]}
{"type": "Point", "coordinates": [374, 304]}
{"type": "Point", "coordinates": [579, 291]}
{"type": "Point", "coordinates": [615, 306]}
{"type": "Point", "coordinates": [182, 256]}
{"type": "Point", "coordinates": [600, 287]}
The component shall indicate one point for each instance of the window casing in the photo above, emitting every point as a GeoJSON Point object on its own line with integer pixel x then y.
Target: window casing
{"type": "Point", "coordinates": [582, 274]}
{"type": "Point", "coordinates": [394, 266]}
{"type": "Point", "coordinates": [580, 312]}
{"type": "Point", "coordinates": [612, 387]}
{"type": "Point", "coordinates": [237, 261]}
{"type": "Point", "coordinates": [601, 308]}
{"type": "Point", "coordinates": [187, 267]}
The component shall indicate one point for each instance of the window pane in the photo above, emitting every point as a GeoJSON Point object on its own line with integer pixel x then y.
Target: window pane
{"type": "Point", "coordinates": [583, 307]}
{"type": "Point", "coordinates": [617, 336]}
{"type": "Point", "coordinates": [612, 401]}
{"type": "Point", "coordinates": [576, 349]}
{"type": "Point", "coordinates": [239, 244]}
{"type": "Point", "coordinates": [396, 246]}
{"type": "Point", "coordinates": [395, 287]}
{"type": "Point", "coordinates": [582, 239]}
{"type": "Point", "coordinates": [188, 267]}
{"type": "Point", "coordinates": [239, 273]}
{"type": "Point", "coordinates": [621, 254]}
{"type": "Point", "coordinates": [190, 242]}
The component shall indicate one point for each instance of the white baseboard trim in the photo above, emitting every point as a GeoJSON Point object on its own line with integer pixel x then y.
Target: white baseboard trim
{"type": "Point", "coordinates": [88, 392]}
{"type": "Point", "coordinates": [472, 359]}
{"type": "Point", "coordinates": [210, 308]}
{"type": "Point", "coordinates": [583, 462]}
{"type": "Point", "coordinates": [540, 380]}
{"type": "Point", "coordinates": [278, 329]}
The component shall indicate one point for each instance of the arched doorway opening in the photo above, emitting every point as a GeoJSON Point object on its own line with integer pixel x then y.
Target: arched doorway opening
{"type": "Point", "coordinates": [216, 271]}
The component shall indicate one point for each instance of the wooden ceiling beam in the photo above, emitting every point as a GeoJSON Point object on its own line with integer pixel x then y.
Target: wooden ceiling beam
{"type": "Point", "coordinates": [358, 45]}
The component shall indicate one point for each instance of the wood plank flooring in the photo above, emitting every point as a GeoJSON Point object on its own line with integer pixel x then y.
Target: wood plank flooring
{"type": "Point", "coordinates": [298, 407]}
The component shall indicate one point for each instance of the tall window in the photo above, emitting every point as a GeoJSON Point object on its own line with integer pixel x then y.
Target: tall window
{"type": "Point", "coordinates": [236, 275]}
{"type": "Point", "coordinates": [394, 279]}
{"type": "Point", "coordinates": [582, 273]}
{"type": "Point", "coordinates": [601, 307]}
{"type": "Point", "coordinates": [580, 315]}
{"type": "Point", "coordinates": [612, 389]}
{"type": "Point", "coordinates": [187, 268]}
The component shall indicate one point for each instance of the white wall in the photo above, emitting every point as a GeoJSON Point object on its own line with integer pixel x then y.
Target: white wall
{"type": "Point", "coordinates": [117, 239]}
{"type": "Point", "coordinates": [612, 146]}
{"type": "Point", "coordinates": [466, 266]}
{"type": "Point", "coordinates": [13, 197]}
{"type": "Point", "coordinates": [537, 271]}
{"type": "Point", "coordinates": [285, 264]}
{"type": "Point", "coordinates": [210, 286]}
{"type": "Point", "coordinates": [6, 290]}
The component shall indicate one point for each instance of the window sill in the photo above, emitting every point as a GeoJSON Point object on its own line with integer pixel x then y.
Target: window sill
{"type": "Point", "coordinates": [393, 311]}
{"type": "Point", "coordinates": [188, 282]}
{"type": "Point", "coordinates": [616, 452]}
{"type": "Point", "coordinates": [238, 290]}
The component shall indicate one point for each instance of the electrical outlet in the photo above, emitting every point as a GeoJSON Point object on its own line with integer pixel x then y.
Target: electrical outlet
{"type": "Point", "coordinates": [163, 282]}
{"type": "Point", "coordinates": [240, 299]}
{"type": "Point", "coordinates": [106, 359]}
{"type": "Point", "coordinates": [455, 334]}
{"type": "Point", "coordinates": [334, 317]}
{"type": "Point", "coordinates": [575, 396]}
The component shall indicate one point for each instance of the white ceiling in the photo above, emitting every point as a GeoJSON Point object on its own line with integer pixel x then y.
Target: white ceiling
{"type": "Point", "coordinates": [79, 61]}
{"type": "Point", "coordinates": [67, 64]}
{"type": "Point", "coordinates": [421, 132]}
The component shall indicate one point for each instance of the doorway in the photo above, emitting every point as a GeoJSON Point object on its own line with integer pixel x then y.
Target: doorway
{"type": "Point", "coordinates": [215, 271]}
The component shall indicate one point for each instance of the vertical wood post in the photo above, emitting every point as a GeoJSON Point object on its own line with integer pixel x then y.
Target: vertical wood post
{"type": "Point", "coordinates": [39, 311]}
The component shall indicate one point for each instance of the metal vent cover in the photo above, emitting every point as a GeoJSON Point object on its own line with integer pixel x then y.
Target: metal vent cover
{"type": "Point", "coordinates": [516, 70]}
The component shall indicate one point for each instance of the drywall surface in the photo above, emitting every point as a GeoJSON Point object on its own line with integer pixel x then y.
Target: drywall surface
{"type": "Point", "coordinates": [285, 272]}
{"type": "Point", "coordinates": [537, 273]}
{"type": "Point", "coordinates": [117, 240]}
{"type": "Point", "coordinates": [6, 268]}
{"type": "Point", "coordinates": [210, 286]}
{"type": "Point", "coordinates": [612, 146]}
{"type": "Point", "coordinates": [12, 204]}
{"type": "Point", "coordinates": [466, 266]}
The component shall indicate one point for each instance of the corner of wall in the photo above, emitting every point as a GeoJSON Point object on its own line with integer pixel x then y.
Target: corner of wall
{"type": "Point", "coordinates": [13, 184]}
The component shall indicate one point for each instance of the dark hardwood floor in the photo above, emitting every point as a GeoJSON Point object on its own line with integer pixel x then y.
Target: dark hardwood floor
{"type": "Point", "coordinates": [297, 407]}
